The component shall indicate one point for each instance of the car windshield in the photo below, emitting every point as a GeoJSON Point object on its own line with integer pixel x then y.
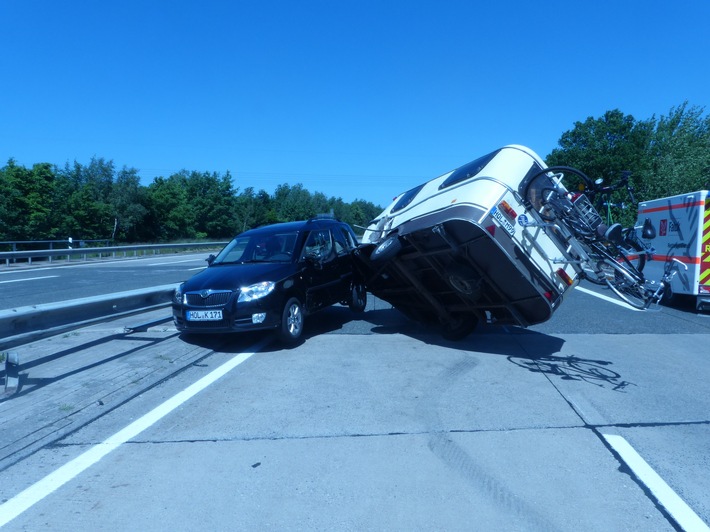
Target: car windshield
{"type": "Point", "coordinates": [261, 247]}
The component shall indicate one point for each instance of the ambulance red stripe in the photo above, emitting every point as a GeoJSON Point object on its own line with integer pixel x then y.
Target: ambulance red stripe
{"type": "Point", "coordinates": [674, 206]}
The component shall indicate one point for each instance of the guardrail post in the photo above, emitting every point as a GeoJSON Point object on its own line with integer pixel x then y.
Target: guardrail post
{"type": "Point", "coordinates": [12, 371]}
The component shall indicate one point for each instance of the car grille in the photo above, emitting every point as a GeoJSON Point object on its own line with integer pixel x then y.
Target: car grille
{"type": "Point", "coordinates": [208, 298]}
{"type": "Point", "coordinates": [203, 325]}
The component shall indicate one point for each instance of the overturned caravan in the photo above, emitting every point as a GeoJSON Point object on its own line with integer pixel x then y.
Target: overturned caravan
{"type": "Point", "coordinates": [465, 247]}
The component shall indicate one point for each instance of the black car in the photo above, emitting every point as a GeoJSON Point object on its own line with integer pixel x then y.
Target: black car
{"type": "Point", "coordinates": [272, 278]}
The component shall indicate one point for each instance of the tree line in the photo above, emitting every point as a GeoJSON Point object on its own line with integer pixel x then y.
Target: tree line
{"type": "Point", "coordinates": [99, 202]}
{"type": "Point", "coordinates": [666, 156]}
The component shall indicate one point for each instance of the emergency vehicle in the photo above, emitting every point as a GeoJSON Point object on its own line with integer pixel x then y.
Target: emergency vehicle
{"type": "Point", "coordinates": [682, 225]}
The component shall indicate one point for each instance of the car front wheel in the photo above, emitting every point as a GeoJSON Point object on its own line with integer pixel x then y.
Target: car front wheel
{"type": "Point", "coordinates": [291, 321]}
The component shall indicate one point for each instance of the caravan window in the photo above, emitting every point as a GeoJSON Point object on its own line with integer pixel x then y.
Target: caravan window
{"type": "Point", "coordinates": [469, 170]}
{"type": "Point", "coordinates": [406, 198]}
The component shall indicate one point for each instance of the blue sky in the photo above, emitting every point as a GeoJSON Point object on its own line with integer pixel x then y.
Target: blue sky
{"type": "Point", "coordinates": [355, 99]}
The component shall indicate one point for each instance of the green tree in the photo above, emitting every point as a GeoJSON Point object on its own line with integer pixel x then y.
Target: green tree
{"type": "Point", "coordinates": [292, 203]}
{"type": "Point", "coordinates": [362, 212]}
{"type": "Point", "coordinates": [13, 207]}
{"type": "Point", "coordinates": [83, 200]}
{"type": "Point", "coordinates": [170, 216]}
{"type": "Point", "coordinates": [212, 199]}
{"type": "Point", "coordinates": [679, 153]}
{"type": "Point", "coordinates": [605, 147]}
{"type": "Point", "coordinates": [26, 202]}
{"type": "Point", "coordinates": [251, 209]}
{"type": "Point", "coordinates": [128, 206]}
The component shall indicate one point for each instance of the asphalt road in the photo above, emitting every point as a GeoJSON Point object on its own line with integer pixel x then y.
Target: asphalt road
{"type": "Point", "coordinates": [596, 420]}
{"type": "Point", "coordinates": [22, 285]}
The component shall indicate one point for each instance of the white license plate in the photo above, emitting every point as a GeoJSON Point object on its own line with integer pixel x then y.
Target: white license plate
{"type": "Point", "coordinates": [501, 219]}
{"type": "Point", "coordinates": [204, 315]}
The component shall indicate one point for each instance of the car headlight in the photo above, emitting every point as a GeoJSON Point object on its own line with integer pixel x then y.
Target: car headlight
{"type": "Point", "coordinates": [256, 291]}
{"type": "Point", "coordinates": [178, 294]}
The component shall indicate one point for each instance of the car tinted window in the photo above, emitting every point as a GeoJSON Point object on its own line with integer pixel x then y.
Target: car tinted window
{"type": "Point", "coordinates": [276, 247]}
{"type": "Point", "coordinates": [469, 170]}
{"type": "Point", "coordinates": [349, 238]}
{"type": "Point", "coordinates": [341, 245]}
{"type": "Point", "coordinates": [344, 241]}
{"type": "Point", "coordinates": [234, 251]}
{"type": "Point", "coordinates": [319, 244]}
{"type": "Point", "coordinates": [270, 247]}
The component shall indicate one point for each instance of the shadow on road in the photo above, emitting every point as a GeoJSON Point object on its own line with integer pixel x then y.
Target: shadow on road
{"type": "Point", "coordinates": [572, 368]}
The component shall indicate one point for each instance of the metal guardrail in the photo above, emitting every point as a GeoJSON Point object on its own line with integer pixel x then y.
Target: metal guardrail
{"type": "Point", "coordinates": [7, 256]}
{"type": "Point", "coordinates": [20, 326]}
{"type": "Point", "coordinates": [68, 242]}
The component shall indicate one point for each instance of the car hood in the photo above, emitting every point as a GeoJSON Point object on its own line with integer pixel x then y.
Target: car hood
{"type": "Point", "coordinates": [235, 276]}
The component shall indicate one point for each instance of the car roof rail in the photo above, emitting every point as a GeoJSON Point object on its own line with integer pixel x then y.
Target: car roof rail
{"type": "Point", "coordinates": [323, 216]}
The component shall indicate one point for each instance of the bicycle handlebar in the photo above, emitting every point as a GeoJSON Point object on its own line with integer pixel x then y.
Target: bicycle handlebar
{"type": "Point", "coordinates": [621, 184]}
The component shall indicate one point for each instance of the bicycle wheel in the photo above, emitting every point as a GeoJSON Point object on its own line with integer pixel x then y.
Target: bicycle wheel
{"type": "Point", "coordinates": [634, 253]}
{"type": "Point", "coordinates": [593, 265]}
{"type": "Point", "coordinates": [596, 272]}
{"type": "Point", "coordinates": [628, 286]}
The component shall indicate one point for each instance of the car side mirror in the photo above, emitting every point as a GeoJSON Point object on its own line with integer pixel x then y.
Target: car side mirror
{"type": "Point", "coordinates": [210, 259]}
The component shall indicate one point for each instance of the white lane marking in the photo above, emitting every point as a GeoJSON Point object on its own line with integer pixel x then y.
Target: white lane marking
{"type": "Point", "coordinates": [681, 512]}
{"type": "Point", "coordinates": [42, 488]}
{"type": "Point", "coordinates": [607, 298]}
{"type": "Point", "coordinates": [176, 261]}
{"type": "Point", "coordinates": [29, 279]}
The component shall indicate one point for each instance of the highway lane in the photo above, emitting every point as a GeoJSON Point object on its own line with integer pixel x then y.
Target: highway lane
{"type": "Point", "coordinates": [48, 284]}
{"type": "Point", "coordinates": [580, 312]}
{"type": "Point", "coordinates": [373, 422]}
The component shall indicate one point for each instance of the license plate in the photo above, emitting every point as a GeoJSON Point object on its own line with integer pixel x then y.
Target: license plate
{"type": "Point", "coordinates": [501, 219]}
{"type": "Point", "coordinates": [204, 315]}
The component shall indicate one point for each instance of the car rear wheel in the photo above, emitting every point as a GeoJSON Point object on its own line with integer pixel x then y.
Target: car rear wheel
{"type": "Point", "coordinates": [291, 321]}
{"type": "Point", "coordinates": [358, 298]}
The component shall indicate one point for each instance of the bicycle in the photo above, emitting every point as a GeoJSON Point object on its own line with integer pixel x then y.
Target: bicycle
{"type": "Point", "coordinates": [598, 248]}
{"type": "Point", "coordinates": [601, 197]}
